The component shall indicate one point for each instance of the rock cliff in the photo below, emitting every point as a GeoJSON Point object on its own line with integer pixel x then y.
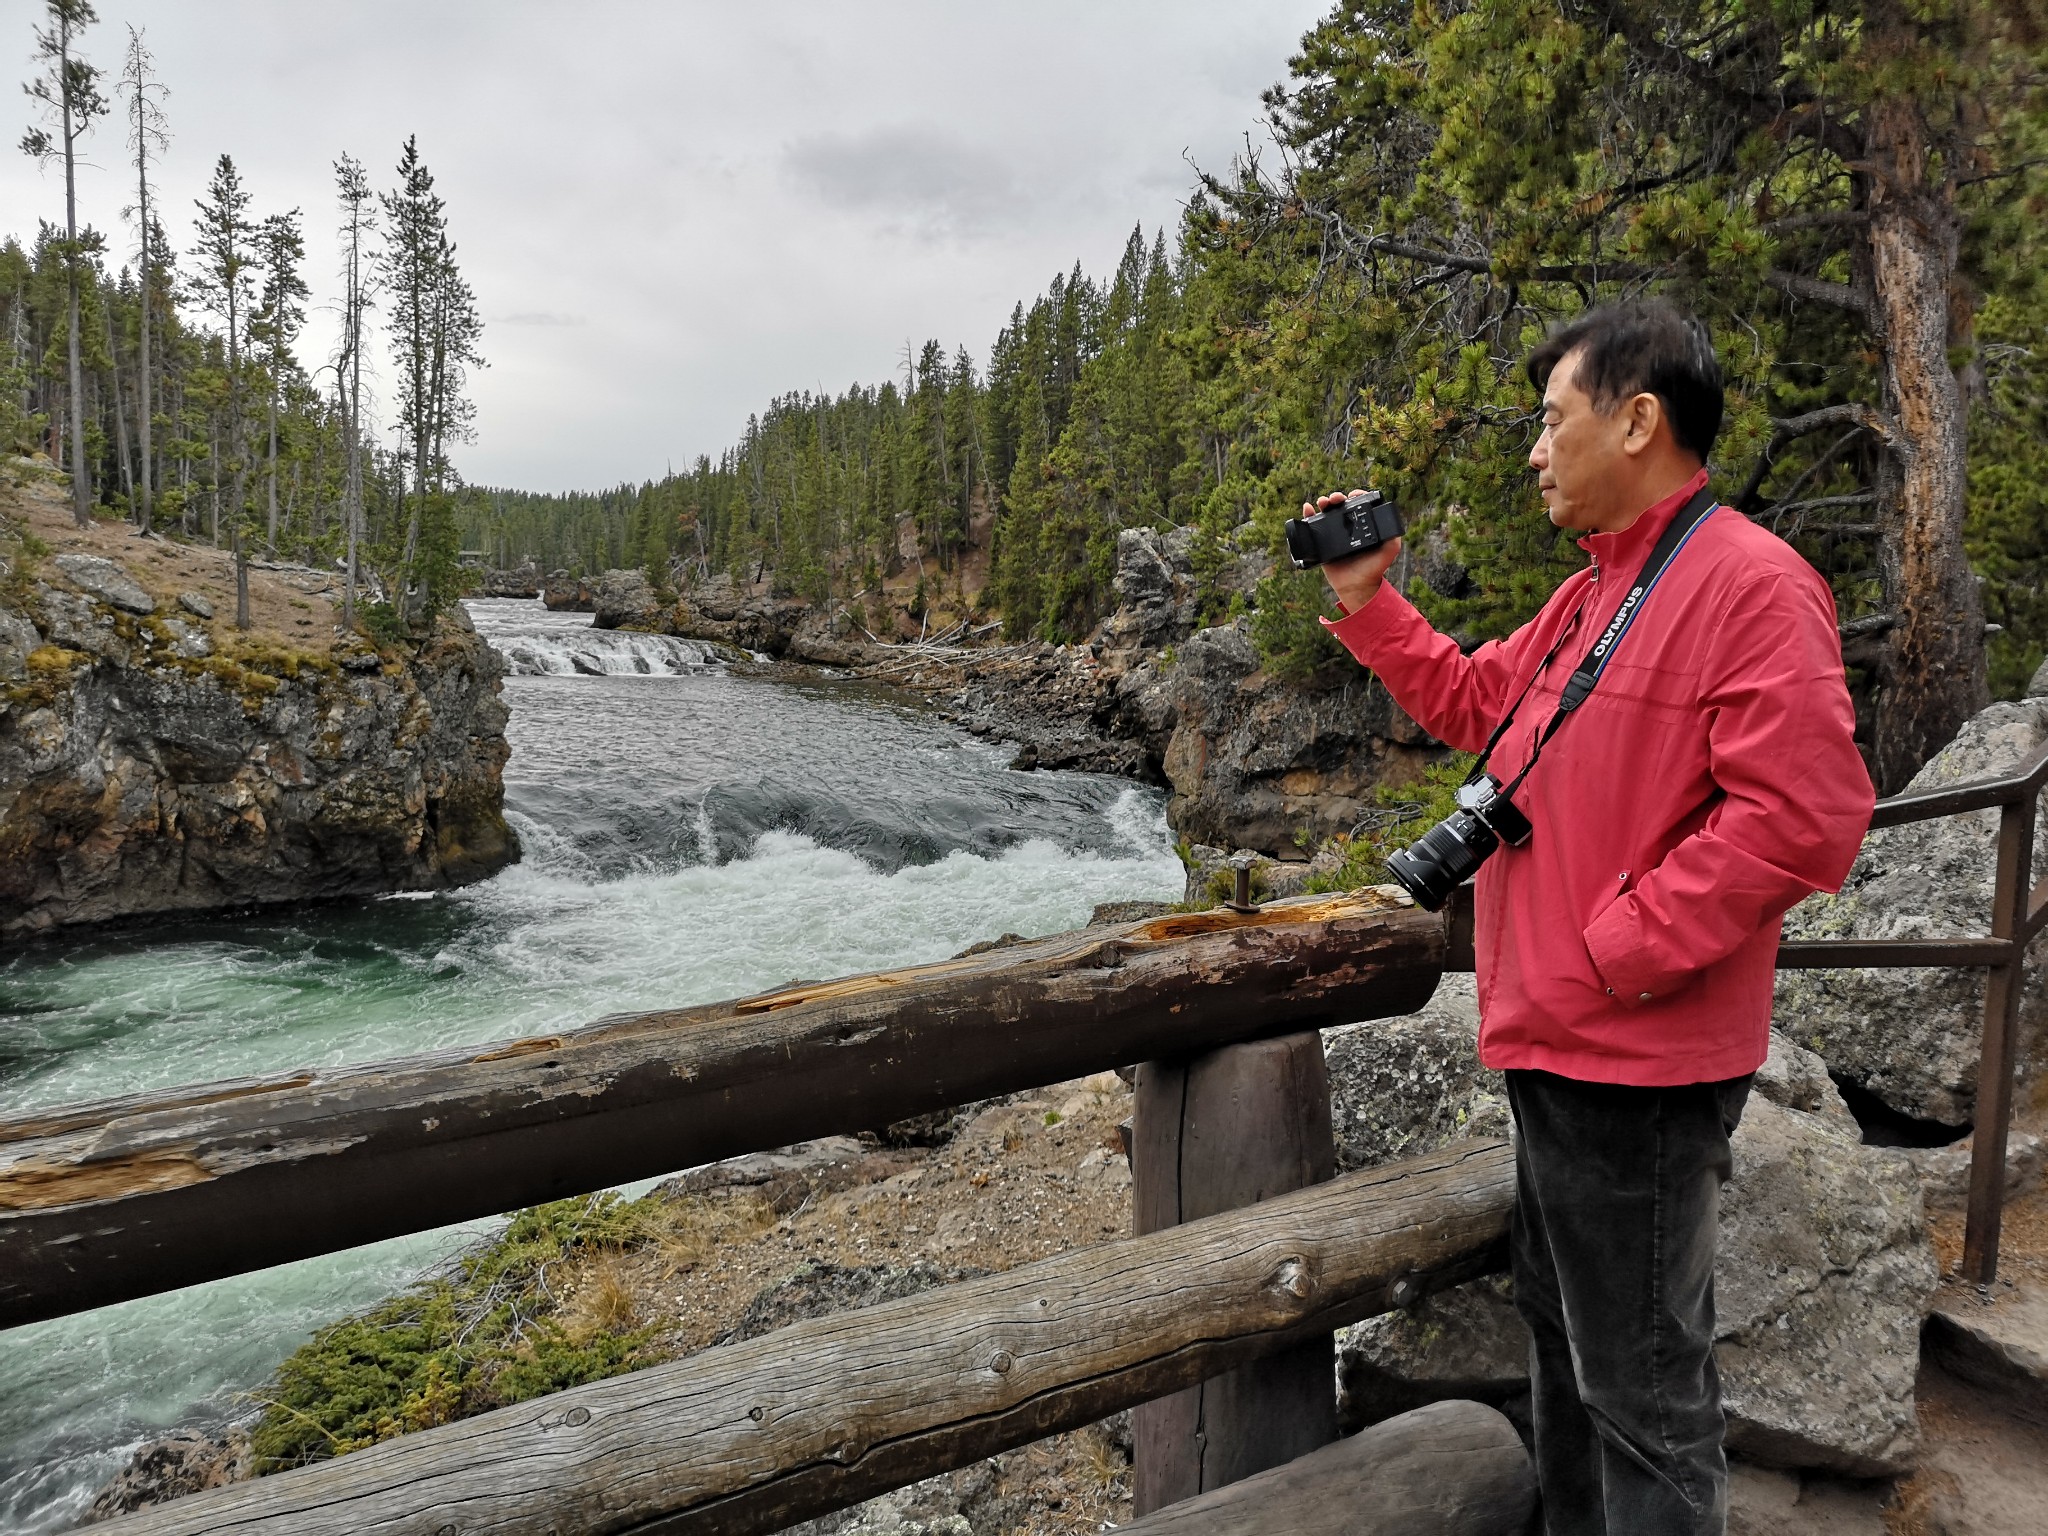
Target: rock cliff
{"type": "Point", "coordinates": [153, 759]}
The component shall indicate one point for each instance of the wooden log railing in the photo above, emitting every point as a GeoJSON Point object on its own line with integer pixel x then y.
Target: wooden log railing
{"type": "Point", "coordinates": [754, 1436]}
{"type": "Point", "coordinates": [101, 1202]}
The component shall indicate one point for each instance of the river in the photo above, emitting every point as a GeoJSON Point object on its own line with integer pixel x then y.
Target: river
{"type": "Point", "coordinates": [689, 834]}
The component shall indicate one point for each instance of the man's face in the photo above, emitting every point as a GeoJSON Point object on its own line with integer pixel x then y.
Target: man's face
{"type": "Point", "coordinates": [1579, 452]}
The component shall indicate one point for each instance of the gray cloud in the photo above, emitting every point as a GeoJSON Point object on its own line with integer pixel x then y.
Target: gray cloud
{"type": "Point", "coordinates": [918, 179]}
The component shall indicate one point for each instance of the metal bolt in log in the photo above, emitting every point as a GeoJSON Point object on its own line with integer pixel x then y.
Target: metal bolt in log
{"type": "Point", "coordinates": [1219, 1131]}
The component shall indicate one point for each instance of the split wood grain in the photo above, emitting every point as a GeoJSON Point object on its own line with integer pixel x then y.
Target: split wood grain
{"type": "Point", "coordinates": [754, 1436]}
{"type": "Point", "coordinates": [1451, 1469]}
{"type": "Point", "coordinates": [106, 1201]}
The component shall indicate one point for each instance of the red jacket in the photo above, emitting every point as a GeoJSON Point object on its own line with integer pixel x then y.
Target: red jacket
{"type": "Point", "coordinates": [1708, 784]}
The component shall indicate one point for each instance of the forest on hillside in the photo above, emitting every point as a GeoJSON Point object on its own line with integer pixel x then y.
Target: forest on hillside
{"type": "Point", "coordinates": [168, 381]}
{"type": "Point", "coordinates": [1851, 198]}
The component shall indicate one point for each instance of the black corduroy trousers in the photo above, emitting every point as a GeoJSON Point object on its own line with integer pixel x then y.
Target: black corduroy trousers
{"type": "Point", "coordinates": [1618, 1198]}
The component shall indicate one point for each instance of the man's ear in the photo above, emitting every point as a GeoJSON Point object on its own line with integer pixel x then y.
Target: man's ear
{"type": "Point", "coordinates": [1645, 414]}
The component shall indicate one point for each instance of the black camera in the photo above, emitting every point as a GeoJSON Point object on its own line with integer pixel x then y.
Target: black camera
{"type": "Point", "coordinates": [1365, 521]}
{"type": "Point", "coordinates": [1450, 853]}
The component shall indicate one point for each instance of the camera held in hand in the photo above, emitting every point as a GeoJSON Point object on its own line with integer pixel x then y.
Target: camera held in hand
{"type": "Point", "coordinates": [1450, 853]}
{"type": "Point", "coordinates": [1365, 521]}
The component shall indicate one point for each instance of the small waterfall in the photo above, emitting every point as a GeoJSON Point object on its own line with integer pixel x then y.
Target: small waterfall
{"type": "Point", "coordinates": [603, 653]}
{"type": "Point", "coordinates": [538, 643]}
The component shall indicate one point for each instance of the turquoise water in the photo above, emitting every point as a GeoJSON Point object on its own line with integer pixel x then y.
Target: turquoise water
{"type": "Point", "coordinates": [689, 835]}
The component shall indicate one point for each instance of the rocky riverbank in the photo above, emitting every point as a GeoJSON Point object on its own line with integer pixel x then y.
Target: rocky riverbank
{"type": "Point", "coordinates": [155, 759]}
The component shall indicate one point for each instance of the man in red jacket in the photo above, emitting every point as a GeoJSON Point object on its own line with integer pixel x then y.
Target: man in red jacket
{"type": "Point", "coordinates": [1625, 950]}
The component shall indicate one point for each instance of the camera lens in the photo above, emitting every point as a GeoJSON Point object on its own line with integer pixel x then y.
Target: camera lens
{"type": "Point", "coordinates": [1442, 859]}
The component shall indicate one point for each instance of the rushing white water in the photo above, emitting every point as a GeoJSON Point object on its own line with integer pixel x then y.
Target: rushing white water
{"type": "Point", "coordinates": [544, 644]}
{"type": "Point", "coordinates": [688, 836]}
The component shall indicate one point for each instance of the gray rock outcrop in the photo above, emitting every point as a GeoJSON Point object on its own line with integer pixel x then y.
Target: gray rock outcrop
{"type": "Point", "coordinates": [144, 770]}
{"type": "Point", "coordinates": [623, 600]}
{"type": "Point", "coordinates": [106, 581]}
{"type": "Point", "coordinates": [1912, 1037]}
{"type": "Point", "coordinates": [519, 581]}
{"type": "Point", "coordinates": [563, 593]}
{"type": "Point", "coordinates": [1155, 588]}
{"type": "Point", "coordinates": [1255, 763]}
{"type": "Point", "coordinates": [1824, 1275]}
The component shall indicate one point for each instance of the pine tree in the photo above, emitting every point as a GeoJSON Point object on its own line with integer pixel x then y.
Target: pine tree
{"type": "Point", "coordinates": [148, 138]}
{"type": "Point", "coordinates": [434, 331]}
{"type": "Point", "coordinates": [224, 282]}
{"type": "Point", "coordinates": [352, 184]}
{"type": "Point", "coordinates": [69, 93]}
{"type": "Point", "coordinates": [275, 322]}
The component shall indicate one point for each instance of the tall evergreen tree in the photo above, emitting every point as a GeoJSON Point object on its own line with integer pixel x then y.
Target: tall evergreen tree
{"type": "Point", "coordinates": [435, 328]}
{"type": "Point", "coordinates": [148, 138]}
{"type": "Point", "coordinates": [273, 325]}
{"type": "Point", "coordinates": [358, 215]}
{"type": "Point", "coordinates": [224, 282]}
{"type": "Point", "coordinates": [68, 90]}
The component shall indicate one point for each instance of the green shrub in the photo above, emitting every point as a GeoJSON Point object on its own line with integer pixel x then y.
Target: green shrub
{"type": "Point", "coordinates": [478, 1337]}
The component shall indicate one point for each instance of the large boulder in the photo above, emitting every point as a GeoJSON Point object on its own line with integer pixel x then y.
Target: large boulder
{"type": "Point", "coordinates": [1911, 1037]}
{"type": "Point", "coordinates": [623, 600]}
{"type": "Point", "coordinates": [1403, 1087]}
{"type": "Point", "coordinates": [564, 593]}
{"type": "Point", "coordinates": [1823, 1278]}
{"type": "Point", "coordinates": [106, 581]}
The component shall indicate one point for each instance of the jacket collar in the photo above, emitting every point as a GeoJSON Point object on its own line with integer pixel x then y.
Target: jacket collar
{"type": "Point", "coordinates": [1627, 548]}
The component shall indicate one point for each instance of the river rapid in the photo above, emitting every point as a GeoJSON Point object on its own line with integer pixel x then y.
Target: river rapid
{"type": "Point", "coordinates": [689, 834]}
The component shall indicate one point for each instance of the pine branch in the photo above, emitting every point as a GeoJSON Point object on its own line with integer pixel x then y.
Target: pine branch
{"type": "Point", "coordinates": [1841, 295]}
{"type": "Point", "coordinates": [1885, 429]}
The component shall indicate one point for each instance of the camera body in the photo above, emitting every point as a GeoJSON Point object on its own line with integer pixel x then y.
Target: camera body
{"type": "Point", "coordinates": [1365, 521]}
{"type": "Point", "coordinates": [1450, 853]}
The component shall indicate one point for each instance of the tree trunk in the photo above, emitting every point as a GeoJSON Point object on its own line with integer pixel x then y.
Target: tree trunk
{"type": "Point", "coordinates": [81, 483]}
{"type": "Point", "coordinates": [120, 411]}
{"type": "Point", "coordinates": [1935, 676]}
{"type": "Point", "coordinates": [143, 500]}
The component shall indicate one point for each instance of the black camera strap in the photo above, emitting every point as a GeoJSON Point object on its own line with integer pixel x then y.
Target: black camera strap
{"type": "Point", "coordinates": [1577, 688]}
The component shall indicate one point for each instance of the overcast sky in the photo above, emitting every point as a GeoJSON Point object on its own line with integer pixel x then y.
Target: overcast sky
{"type": "Point", "coordinates": [672, 211]}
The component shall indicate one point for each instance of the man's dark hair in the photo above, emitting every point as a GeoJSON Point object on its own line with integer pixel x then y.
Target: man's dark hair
{"type": "Point", "coordinates": [1646, 346]}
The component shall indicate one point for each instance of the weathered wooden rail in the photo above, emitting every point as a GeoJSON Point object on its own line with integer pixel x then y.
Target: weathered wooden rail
{"type": "Point", "coordinates": [754, 1436]}
{"type": "Point", "coordinates": [105, 1201]}
{"type": "Point", "coordinates": [101, 1202]}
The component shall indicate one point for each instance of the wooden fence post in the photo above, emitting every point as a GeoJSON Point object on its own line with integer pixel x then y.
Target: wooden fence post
{"type": "Point", "coordinates": [1213, 1133]}
{"type": "Point", "coordinates": [2010, 909]}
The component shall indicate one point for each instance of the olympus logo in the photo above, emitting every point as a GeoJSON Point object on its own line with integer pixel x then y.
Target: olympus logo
{"type": "Point", "coordinates": [1620, 621]}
